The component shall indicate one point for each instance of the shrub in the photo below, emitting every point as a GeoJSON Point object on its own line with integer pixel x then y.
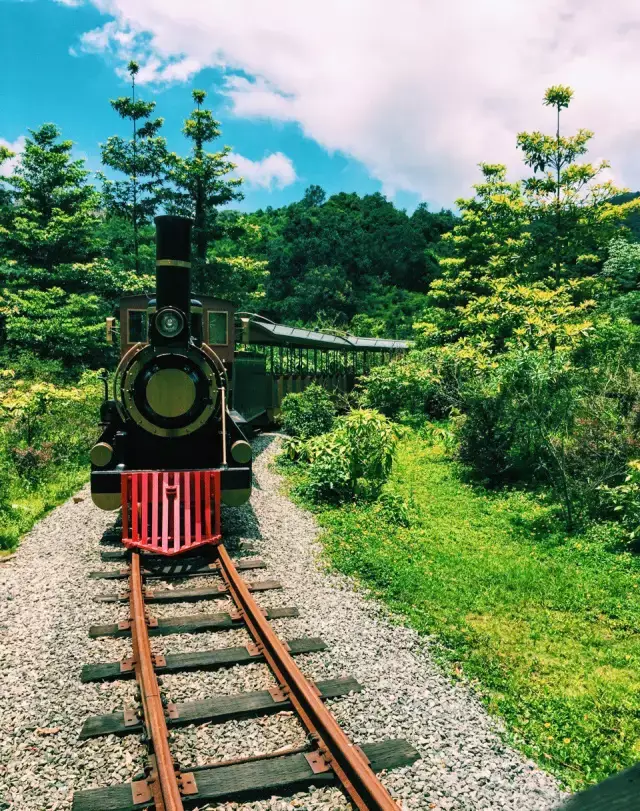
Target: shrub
{"type": "Point", "coordinates": [31, 462]}
{"type": "Point", "coordinates": [392, 508]}
{"type": "Point", "coordinates": [353, 461]}
{"type": "Point", "coordinates": [538, 417]}
{"type": "Point", "coordinates": [624, 502]}
{"type": "Point", "coordinates": [308, 413]}
{"type": "Point", "coordinates": [412, 385]}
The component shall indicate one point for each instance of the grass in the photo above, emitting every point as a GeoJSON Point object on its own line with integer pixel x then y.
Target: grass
{"type": "Point", "coordinates": [543, 625]}
{"type": "Point", "coordinates": [26, 507]}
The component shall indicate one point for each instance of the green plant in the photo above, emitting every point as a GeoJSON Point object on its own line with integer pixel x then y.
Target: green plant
{"type": "Point", "coordinates": [307, 413]}
{"type": "Point", "coordinates": [354, 460]}
{"type": "Point", "coordinates": [410, 385]}
{"type": "Point", "coordinates": [543, 626]}
{"type": "Point", "coordinates": [624, 502]}
{"type": "Point", "coordinates": [46, 431]}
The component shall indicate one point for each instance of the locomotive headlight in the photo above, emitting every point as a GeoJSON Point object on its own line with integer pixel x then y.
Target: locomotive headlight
{"type": "Point", "coordinates": [169, 323]}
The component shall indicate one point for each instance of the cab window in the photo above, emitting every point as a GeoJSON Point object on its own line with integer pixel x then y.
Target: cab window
{"type": "Point", "coordinates": [137, 326]}
{"type": "Point", "coordinates": [218, 328]}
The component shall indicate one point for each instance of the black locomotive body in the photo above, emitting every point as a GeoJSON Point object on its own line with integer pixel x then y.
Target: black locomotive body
{"type": "Point", "coordinates": [170, 449]}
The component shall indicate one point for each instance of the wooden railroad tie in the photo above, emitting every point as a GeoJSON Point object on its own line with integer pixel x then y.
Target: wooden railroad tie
{"type": "Point", "coordinates": [250, 781]}
{"type": "Point", "coordinates": [168, 570]}
{"type": "Point", "coordinates": [189, 595]}
{"type": "Point", "coordinates": [199, 660]}
{"type": "Point", "coordinates": [193, 624]}
{"type": "Point", "coordinates": [213, 710]}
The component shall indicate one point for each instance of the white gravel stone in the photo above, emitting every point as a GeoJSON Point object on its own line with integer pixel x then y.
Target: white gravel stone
{"type": "Point", "coordinates": [46, 607]}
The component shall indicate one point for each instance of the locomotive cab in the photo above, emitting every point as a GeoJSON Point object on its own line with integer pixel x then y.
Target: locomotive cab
{"type": "Point", "coordinates": [170, 449]}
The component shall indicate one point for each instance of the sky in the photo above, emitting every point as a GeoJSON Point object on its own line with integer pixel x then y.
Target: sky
{"type": "Point", "coordinates": [403, 97]}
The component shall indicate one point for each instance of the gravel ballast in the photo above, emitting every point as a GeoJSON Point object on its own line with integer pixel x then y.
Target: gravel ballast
{"type": "Point", "coordinates": [46, 607]}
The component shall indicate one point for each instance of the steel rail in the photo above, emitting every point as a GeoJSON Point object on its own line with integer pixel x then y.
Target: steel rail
{"type": "Point", "coordinates": [348, 763]}
{"type": "Point", "coordinates": [154, 716]}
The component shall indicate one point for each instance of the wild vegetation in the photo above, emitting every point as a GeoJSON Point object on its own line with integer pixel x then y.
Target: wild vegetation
{"type": "Point", "coordinates": [513, 532]}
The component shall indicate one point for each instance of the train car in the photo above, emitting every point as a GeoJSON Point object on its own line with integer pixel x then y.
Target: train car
{"type": "Point", "coordinates": [195, 379]}
{"type": "Point", "coordinates": [273, 360]}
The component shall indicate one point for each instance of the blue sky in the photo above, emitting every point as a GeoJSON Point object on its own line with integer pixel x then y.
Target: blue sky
{"type": "Point", "coordinates": [46, 76]}
{"type": "Point", "coordinates": [355, 95]}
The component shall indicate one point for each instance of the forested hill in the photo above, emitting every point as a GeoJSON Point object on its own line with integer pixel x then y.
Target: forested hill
{"type": "Point", "coordinates": [346, 260]}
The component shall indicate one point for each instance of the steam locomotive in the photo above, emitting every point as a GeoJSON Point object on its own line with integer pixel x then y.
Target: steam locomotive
{"type": "Point", "coordinates": [186, 394]}
{"type": "Point", "coordinates": [170, 451]}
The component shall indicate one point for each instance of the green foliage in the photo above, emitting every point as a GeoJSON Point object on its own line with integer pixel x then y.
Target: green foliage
{"type": "Point", "coordinates": [621, 271]}
{"type": "Point", "coordinates": [487, 243]}
{"type": "Point", "coordinates": [142, 159]}
{"type": "Point", "coordinates": [542, 625]}
{"type": "Point", "coordinates": [411, 385]}
{"type": "Point", "coordinates": [51, 218]}
{"type": "Point", "coordinates": [524, 255]}
{"type": "Point", "coordinates": [55, 324]}
{"type": "Point", "coordinates": [119, 243]}
{"type": "Point", "coordinates": [353, 461]}
{"type": "Point", "coordinates": [46, 430]}
{"type": "Point", "coordinates": [200, 183]}
{"type": "Point", "coordinates": [347, 255]}
{"type": "Point", "coordinates": [234, 270]}
{"type": "Point", "coordinates": [307, 413]}
{"type": "Point", "coordinates": [624, 502]}
{"type": "Point", "coordinates": [538, 417]}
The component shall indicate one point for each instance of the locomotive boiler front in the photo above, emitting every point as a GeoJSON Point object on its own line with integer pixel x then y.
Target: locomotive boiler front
{"type": "Point", "coordinates": [171, 386]}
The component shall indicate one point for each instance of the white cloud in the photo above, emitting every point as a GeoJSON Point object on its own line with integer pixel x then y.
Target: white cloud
{"type": "Point", "coordinates": [7, 168]}
{"type": "Point", "coordinates": [420, 91]}
{"type": "Point", "coordinates": [124, 44]}
{"type": "Point", "coordinates": [273, 170]}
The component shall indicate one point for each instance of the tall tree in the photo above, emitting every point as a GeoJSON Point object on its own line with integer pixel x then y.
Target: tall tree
{"type": "Point", "coordinates": [520, 245]}
{"type": "Point", "coordinates": [142, 158]}
{"type": "Point", "coordinates": [486, 243]}
{"type": "Point", "coordinates": [49, 216]}
{"type": "Point", "coordinates": [570, 209]}
{"type": "Point", "coordinates": [201, 183]}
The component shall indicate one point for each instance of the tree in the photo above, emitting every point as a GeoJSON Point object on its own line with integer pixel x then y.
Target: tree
{"type": "Point", "coordinates": [142, 158]}
{"type": "Point", "coordinates": [49, 214]}
{"type": "Point", "coordinates": [5, 155]}
{"type": "Point", "coordinates": [487, 243]}
{"type": "Point", "coordinates": [621, 273]}
{"type": "Point", "coordinates": [201, 183]}
{"type": "Point", "coordinates": [519, 242]}
{"type": "Point", "coordinates": [237, 272]}
{"type": "Point", "coordinates": [323, 293]}
{"type": "Point", "coordinates": [375, 247]}
{"type": "Point", "coordinates": [571, 214]}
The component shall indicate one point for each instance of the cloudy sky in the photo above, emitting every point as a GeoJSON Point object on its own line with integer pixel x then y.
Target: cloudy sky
{"type": "Point", "coordinates": [405, 97]}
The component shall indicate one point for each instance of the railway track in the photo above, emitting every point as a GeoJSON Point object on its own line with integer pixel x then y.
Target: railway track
{"type": "Point", "coordinates": [329, 758]}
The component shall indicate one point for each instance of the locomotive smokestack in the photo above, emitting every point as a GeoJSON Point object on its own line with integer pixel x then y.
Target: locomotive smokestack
{"type": "Point", "coordinates": [173, 262]}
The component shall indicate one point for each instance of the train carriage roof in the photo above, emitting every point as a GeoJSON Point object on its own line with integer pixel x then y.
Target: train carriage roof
{"type": "Point", "coordinates": [258, 330]}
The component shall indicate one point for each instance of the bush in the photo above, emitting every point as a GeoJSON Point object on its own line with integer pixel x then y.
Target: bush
{"type": "Point", "coordinates": [46, 431]}
{"type": "Point", "coordinates": [353, 461]}
{"type": "Point", "coordinates": [308, 413]}
{"type": "Point", "coordinates": [540, 418]}
{"type": "Point", "coordinates": [624, 502]}
{"type": "Point", "coordinates": [412, 385]}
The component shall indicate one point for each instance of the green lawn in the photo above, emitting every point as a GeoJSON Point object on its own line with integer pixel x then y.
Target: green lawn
{"type": "Point", "coordinates": [543, 625]}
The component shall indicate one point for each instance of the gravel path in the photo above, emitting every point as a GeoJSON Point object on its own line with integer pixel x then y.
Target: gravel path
{"type": "Point", "coordinates": [46, 606]}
